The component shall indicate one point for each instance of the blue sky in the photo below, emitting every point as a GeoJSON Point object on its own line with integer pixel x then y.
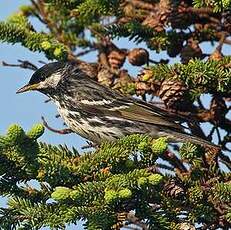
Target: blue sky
{"type": "Point", "coordinates": [27, 109]}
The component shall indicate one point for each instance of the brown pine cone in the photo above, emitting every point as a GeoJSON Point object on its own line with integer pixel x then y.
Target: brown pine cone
{"type": "Point", "coordinates": [227, 20]}
{"type": "Point", "coordinates": [90, 69]}
{"type": "Point", "coordinates": [105, 77]}
{"type": "Point", "coordinates": [173, 189]}
{"type": "Point", "coordinates": [153, 21]}
{"type": "Point", "coordinates": [186, 226]}
{"type": "Point", "coordinates": [179, 17]}
{"type": "Point", "coordinates": [191, 50]}
{"type": "Point", "coordinates": [158, 17]}
{"type": "Point", "coordinates": [172, 93]}
{"type": "Point", "coordinates": [218, 109]}
{"type": "Point", "coordinates": [124, 83]}
{"type": "Point", "coordinates": [146, 74]}
{"type": "Point", "coordinates": [146, 84]}
{"type": "Point", "coordinates": [138, 56]}
{"type": "Point", "coordinates": [116, 58]}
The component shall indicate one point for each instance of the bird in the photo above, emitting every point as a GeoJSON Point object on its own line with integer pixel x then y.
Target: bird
{"type": "Point", "coordinates": [99, 113]}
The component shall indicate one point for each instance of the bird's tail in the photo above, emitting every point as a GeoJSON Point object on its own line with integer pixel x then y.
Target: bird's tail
{"type": "Point", "coordinates": [186, 137]}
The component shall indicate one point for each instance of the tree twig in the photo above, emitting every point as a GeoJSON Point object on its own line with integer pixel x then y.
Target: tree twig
{"type": "Point", "coordinates": [174, 161]}
{"type": "Point", "coordinates": [225, 160]}
{"type": "Point", "coordinates": [23, 64]}
{"type": "Point", "coordinates": [89, 145]}
{"type": "Point", "coordinates": [85, 52]}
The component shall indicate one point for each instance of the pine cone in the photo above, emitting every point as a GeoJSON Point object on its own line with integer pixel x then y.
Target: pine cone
{"type": "Point", "coordinates": [179, 17]}
{"type": "Point", "coordinates": [128, 10]}
{"type": "Point", "coordinates": [174, 189]}
{"type": "Point", "coordinates": [105, 77]}
{"type": "Point", "coordinates": [116, 58]}
{"type": "Point", "coordinates": [124, 83]}
{"type": "Point", "coordinates": [153, 21]}
{"type": "Point", "coordinates": [172, 93]}
{"type": "Point", "coordinates": [218, 109]}
{"type": "Point", "coordinates": [146, 84]}
{"type": "Point", "coordinates": [145, 75]}
{"type": "Point", "coordinates": [186, 226]}
{"type": "Point", "coordinates": [227, 20]}
{"type": "Point", "coordinates": [91, 70]}
{"type": "Point", "coordinates": [158, 17]}
{"type": "Point", "coordinates": [191, 50]}
{"type": "Point", "coordinates": [175, 47]}
{"type": "Point", "coordinates": [138, 56]}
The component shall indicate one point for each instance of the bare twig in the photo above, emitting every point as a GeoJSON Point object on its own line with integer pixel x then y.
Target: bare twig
{"type": "Point", "coordinates": [37, 14]}
{"type": "Point", "coordinates": [162, 61]}
{"type": "Point", "coordinates": [201, 106]}
{"type": "Point", "coordinates": [174, 161]}
{"type": "Point", "coordinates": [218, 134]}
{"type": "Point", "coordinates": [42, 62]}
{"type": "Point", "coordinates": [23, 64]}
{"type": "Point", "coordinates": [225, 160]}
{"type": "Point", "coordinates": [85, 52]}
{"type": "Point", "coordinates": [196, 129]}
{"type": "Point", "coordinates": [142, 5]}
{"type": "Point", "coordinates": [47, 100]}
{"type": "Point", "coordinates": [89, 145]}
{"type": "Point", "coordinates": [210, 136]}
{"type": "Point", "coordinates": [221, 42]}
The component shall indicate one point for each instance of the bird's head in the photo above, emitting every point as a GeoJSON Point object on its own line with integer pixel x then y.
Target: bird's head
{"type": "Point", "coordinates": [46, 78]}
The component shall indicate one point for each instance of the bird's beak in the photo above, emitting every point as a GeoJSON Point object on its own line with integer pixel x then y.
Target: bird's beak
{"type": "Point", "coordinates": [28, 88]}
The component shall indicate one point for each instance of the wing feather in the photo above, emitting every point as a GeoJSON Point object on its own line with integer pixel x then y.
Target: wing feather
{"type": "Point", "coordinates": [138, 112]}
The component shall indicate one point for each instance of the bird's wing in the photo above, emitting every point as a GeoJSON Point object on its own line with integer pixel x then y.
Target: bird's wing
{"type": "Point", "coordinates": [147, 113]}
{"type": "Point", "coordinates": [131, 109]}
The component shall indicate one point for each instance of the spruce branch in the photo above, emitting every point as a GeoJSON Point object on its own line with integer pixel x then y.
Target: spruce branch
{"type": "Point", "coordinates": [96, 181]}
{"type": "Point", "coordinates": [23, 64]}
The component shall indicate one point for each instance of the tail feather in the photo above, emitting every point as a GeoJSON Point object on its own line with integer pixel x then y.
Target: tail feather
{"type": "Point", "coordinates": [186, 137]}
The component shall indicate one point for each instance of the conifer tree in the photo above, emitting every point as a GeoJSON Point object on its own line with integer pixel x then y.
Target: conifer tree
{"type": "Point", "coordinates": [136, 182]}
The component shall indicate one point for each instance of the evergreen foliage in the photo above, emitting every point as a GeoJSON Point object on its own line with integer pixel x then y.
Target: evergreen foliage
{"type": "Point", "coordinates": [97, 185]}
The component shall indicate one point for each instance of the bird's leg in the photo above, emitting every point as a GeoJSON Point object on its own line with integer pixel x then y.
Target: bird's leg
{"type": "Point", "coordinates": [89, 145]}
{"type": "Point", "coordinates": [60, 131]}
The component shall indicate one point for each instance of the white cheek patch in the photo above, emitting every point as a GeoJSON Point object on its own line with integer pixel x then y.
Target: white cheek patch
{"type": "Point", "coordinates": [51, 81]}
{"type": "Point", "coordinates": [54, 79]}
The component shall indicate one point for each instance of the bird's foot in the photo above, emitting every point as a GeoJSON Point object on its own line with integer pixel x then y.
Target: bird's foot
{"type": "Point", "coordinates": [59, 131]}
